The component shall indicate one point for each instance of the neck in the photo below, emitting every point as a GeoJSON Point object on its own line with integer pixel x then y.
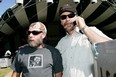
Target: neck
{"type": "Point", "coordinates": [71, 31]}
{"type": "Point", "coordinates": [41, 46]}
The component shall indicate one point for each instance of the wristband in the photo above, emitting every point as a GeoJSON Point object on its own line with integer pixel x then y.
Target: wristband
{"type": "Point", "coordinates": [83, 28]}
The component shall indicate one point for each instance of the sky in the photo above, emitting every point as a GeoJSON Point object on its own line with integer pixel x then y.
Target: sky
{"type": "Point", "coordinates": [5, 4]}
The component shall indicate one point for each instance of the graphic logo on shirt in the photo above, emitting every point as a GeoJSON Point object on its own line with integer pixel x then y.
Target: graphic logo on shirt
{"type": "Point", "coordinates": [35, 61]}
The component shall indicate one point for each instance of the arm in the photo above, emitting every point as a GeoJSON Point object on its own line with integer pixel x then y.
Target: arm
{"type": "Point", "coordinates": [59, 74]}
{"type": "Point", "coordinates": [15, 74]}
{"type": "Point", "coordinates": [92, 36]}
{"type": "Point", "coordinates": [16, 66]}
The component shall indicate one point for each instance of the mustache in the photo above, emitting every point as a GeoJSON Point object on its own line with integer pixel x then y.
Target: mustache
{"type": "Point", "coordinates": [66, 23]}
{"type": "Point", "coordinates": [70, 23]}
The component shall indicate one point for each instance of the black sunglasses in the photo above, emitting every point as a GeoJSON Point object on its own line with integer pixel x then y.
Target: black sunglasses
{"type": "Point", "coordinates": [34, 32]}
{"type": "Point", "coordinates": [69, 16]}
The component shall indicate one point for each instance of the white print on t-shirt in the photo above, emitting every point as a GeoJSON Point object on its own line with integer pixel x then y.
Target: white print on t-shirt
{"type": "Point", "coordinates": [35, 61]}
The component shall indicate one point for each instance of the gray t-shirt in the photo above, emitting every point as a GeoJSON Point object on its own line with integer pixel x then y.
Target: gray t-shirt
{"type": "Point", "coordinates": [37, 62]}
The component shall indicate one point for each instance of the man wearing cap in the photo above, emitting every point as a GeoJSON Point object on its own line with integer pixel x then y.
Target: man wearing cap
{"type": "Point", "coordinates": [37, 59]}
{"type": "Point", "coordinates": [75, 47]}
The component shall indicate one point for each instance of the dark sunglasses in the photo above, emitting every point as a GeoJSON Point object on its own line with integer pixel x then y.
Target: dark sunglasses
{"type": "Point", "coordinates": [34, 32]}
{"type": "Point", "coordinates": [69, 16]}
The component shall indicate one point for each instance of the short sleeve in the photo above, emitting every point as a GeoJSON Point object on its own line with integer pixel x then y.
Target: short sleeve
{"type": "Point", "coordinates": [57, 61]}
{"type": "Point", "coordinates": [16, 65]}
{"type": "Point", "coordinates": [99, 32]}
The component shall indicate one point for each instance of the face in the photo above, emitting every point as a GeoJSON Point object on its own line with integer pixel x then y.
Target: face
{"type": "Point", "coordinates": [67, 19]}
{"type": "Point", "coordinates": [37, 59]}
{"type": "Point", "coordinates": [35, 37]}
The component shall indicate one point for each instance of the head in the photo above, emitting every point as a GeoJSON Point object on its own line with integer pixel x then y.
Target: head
{"type": "Point", "coordinates": [67, 15]}
{"type": "Point", "coordinates": [37, 59]}
{"type": "Point", "coordinates": [36, 33]}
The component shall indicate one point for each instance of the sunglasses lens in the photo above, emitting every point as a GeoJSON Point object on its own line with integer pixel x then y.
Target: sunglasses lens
{"type": "Point", "coordinates": [69, 16]}
{"type": "Point", "coordinates": [63, 17]}
{"type": "Point", "coordinates": [34, 32]}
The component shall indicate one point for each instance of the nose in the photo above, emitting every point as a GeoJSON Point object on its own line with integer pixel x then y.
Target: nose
{"type": "Point", "coordinates": [67, 18]}
{"type": "Point", "coordinates": [30, 35]}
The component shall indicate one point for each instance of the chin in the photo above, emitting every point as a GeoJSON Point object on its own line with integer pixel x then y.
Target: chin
{"type": "Point", "coordinates": [32, 45]}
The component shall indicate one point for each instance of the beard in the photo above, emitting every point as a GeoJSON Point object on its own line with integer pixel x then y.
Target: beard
{"type": "Point", "coordinates": [35, 43]}
{"type": "Point", "coordinates": [68, 27]}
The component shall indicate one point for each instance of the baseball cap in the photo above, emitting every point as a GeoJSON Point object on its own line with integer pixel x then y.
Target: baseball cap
{"type": "Point", "coordinates": [39, 26]}
{"type": "Point", "coordinates": [67, 8]}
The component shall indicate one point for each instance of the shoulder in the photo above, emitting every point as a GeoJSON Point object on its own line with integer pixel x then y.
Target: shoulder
{"type": "Point", "coordinates": [52, 49]}
{"type": "Point", "coordinates": [25, 49]}
{"type": "Point", "coordinates": [63, 39]}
